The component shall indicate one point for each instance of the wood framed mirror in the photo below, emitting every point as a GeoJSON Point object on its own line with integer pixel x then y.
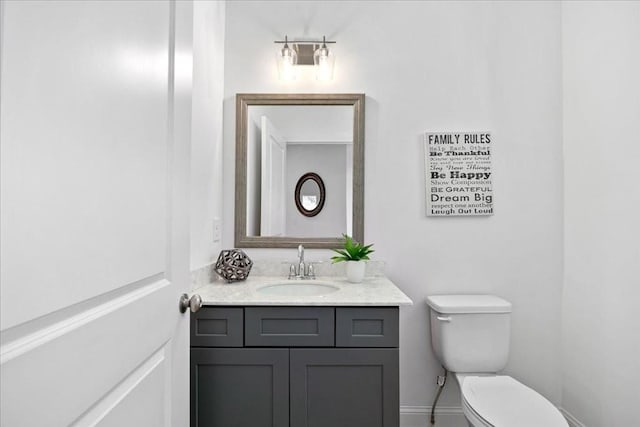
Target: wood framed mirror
{"type": "Point", "coordinates": [279, 138]}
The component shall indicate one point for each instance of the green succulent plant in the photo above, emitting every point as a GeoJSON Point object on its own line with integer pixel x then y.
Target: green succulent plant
{"type": "Point", "coordinates": [352, 251]}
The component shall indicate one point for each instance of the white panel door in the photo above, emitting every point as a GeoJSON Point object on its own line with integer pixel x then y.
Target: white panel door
{"type": "Point", "coordinates": [273, 213]}
{"type": "Point", "coordinates": [95, 116]}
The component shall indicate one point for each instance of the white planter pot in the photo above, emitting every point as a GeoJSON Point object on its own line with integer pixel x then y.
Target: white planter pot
{"type": "Point", "coordinates": [355, 271]}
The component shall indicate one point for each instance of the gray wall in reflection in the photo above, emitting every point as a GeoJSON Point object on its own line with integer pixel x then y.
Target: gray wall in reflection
{"type": "Point", "coordinates": [330, 162]}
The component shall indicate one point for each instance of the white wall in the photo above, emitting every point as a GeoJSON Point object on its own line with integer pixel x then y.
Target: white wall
{"type": "Point", "coordinates": [206, 143]}
{"type": "Point", "coordinates": [601, 328]}
{"type": "Point", "coordinates": [437, 66]}
{"type": "Point", "coordinates": [300, 123]}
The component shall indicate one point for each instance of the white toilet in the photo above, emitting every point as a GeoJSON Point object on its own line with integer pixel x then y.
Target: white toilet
{"type": "Point", "coordinates": [470, 337]}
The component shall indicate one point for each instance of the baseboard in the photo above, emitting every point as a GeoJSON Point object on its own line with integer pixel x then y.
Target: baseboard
{"type": "Point", "coordinates": [452, 416]}
{"type": "Point", "coordinates": [419, 416]}
{"type": "Point", "coordinates": [573, 421]}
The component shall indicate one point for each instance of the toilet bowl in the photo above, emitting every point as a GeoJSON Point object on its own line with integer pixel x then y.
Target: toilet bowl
{"type": "Point", "coordinates": [502, 401]}
{"type": "Point", "coordinates": [470, 336]}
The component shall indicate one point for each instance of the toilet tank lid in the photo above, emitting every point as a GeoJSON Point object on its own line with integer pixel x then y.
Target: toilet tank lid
{"type": "Point", "coordinates": [468, 304]}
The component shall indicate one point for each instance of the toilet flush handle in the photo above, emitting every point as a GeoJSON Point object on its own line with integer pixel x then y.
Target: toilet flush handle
{"type": "Point", "coordinates": [444, 318]}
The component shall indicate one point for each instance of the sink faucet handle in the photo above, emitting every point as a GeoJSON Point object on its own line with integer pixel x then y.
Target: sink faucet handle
{"type": "Point", "coordinates": [311, 271]}
{"type": "Point", "coordinates": [292, 271]}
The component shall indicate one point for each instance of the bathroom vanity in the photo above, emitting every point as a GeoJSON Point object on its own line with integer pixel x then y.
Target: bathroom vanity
{"type": "Point", "coordinates": [324, 357]}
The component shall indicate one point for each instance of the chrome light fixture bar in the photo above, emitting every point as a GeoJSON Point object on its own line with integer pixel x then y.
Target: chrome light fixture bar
{"type": "Point", "coordinates": [305, 52]}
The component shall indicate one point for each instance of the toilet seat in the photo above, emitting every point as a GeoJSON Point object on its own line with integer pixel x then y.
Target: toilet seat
{"type": "Point", "coordinates": [501, 401]}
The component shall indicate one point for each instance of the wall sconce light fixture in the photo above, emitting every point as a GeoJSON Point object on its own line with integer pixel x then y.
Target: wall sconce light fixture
{"type": "Point", "coordinates": [305, 52]}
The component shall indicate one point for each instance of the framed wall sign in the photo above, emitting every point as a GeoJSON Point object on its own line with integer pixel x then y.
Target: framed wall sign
{"type": "Point", "coordinates": [458, 173]}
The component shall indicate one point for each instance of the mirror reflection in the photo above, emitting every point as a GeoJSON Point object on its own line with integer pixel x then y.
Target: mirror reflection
{"type": "Point", "coordinates": [281, 138]}
{"type": "Point", "coordinates": [309, 195]}
{"type": "Point", "coordinates": [285, 142]}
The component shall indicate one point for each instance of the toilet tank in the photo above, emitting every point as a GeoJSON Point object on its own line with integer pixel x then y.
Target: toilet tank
{"type": "Point", "coordinates": [470, 333]}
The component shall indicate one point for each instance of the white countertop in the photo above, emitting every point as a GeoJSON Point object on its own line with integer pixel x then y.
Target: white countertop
{"type": "Point", "coordinates": [373, 291]}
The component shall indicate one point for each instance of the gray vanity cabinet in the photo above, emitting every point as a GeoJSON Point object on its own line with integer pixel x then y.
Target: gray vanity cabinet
{"type": "Point", "coordinates": [294, 367]}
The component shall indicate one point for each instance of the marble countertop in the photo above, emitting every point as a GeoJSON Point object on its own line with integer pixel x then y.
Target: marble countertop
{"type": "Point", "coordinates": [373, 291]}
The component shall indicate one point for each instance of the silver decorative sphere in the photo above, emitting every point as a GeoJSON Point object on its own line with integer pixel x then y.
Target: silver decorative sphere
{"type": "Point", "coordinates": [233, 265]}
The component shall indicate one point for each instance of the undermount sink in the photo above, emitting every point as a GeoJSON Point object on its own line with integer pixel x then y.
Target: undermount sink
{"type": "Point", "coordinates": [298, 289]}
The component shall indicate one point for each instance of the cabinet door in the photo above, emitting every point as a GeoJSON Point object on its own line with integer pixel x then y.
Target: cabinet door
{"type": "Point", "coordinates": [344, 387]}
{"type": "Point", "coordinates": [239, 387]}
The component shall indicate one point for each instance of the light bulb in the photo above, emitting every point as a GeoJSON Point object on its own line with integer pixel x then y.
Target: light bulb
{"type": "Point", "coordinates": [323, 61]}
{"type": "Point", "coordinates": [287, 59]}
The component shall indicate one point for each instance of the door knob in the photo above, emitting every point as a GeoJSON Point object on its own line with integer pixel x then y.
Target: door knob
{"type": "Point", "coordinates": [194, 303]}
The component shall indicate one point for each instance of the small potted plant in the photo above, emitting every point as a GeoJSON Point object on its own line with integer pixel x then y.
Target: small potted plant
{"type": "Point", "coordinates": [355, 255]}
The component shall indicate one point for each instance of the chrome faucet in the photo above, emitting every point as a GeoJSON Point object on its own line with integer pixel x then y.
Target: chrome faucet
{"type": "Point", "coordinates": [301, 270]}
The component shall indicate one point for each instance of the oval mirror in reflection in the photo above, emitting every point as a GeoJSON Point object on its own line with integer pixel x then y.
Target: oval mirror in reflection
{"type": "Point", "coordinates": [310, 194]}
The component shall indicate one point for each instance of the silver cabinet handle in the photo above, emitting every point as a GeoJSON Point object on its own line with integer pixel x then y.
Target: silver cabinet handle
{"type": "Point", "coordinates": [194, 303]}
{"type": "Point", "coordinates": [444, 318]}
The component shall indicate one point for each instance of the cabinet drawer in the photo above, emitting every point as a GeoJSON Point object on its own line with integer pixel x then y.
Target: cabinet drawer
{"type": "Point", "coordinates": [367, 327]}
{"type": "Point", "coordinates": [289, 327]}
{"type": "Point", "coordinates": [217, 327]}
